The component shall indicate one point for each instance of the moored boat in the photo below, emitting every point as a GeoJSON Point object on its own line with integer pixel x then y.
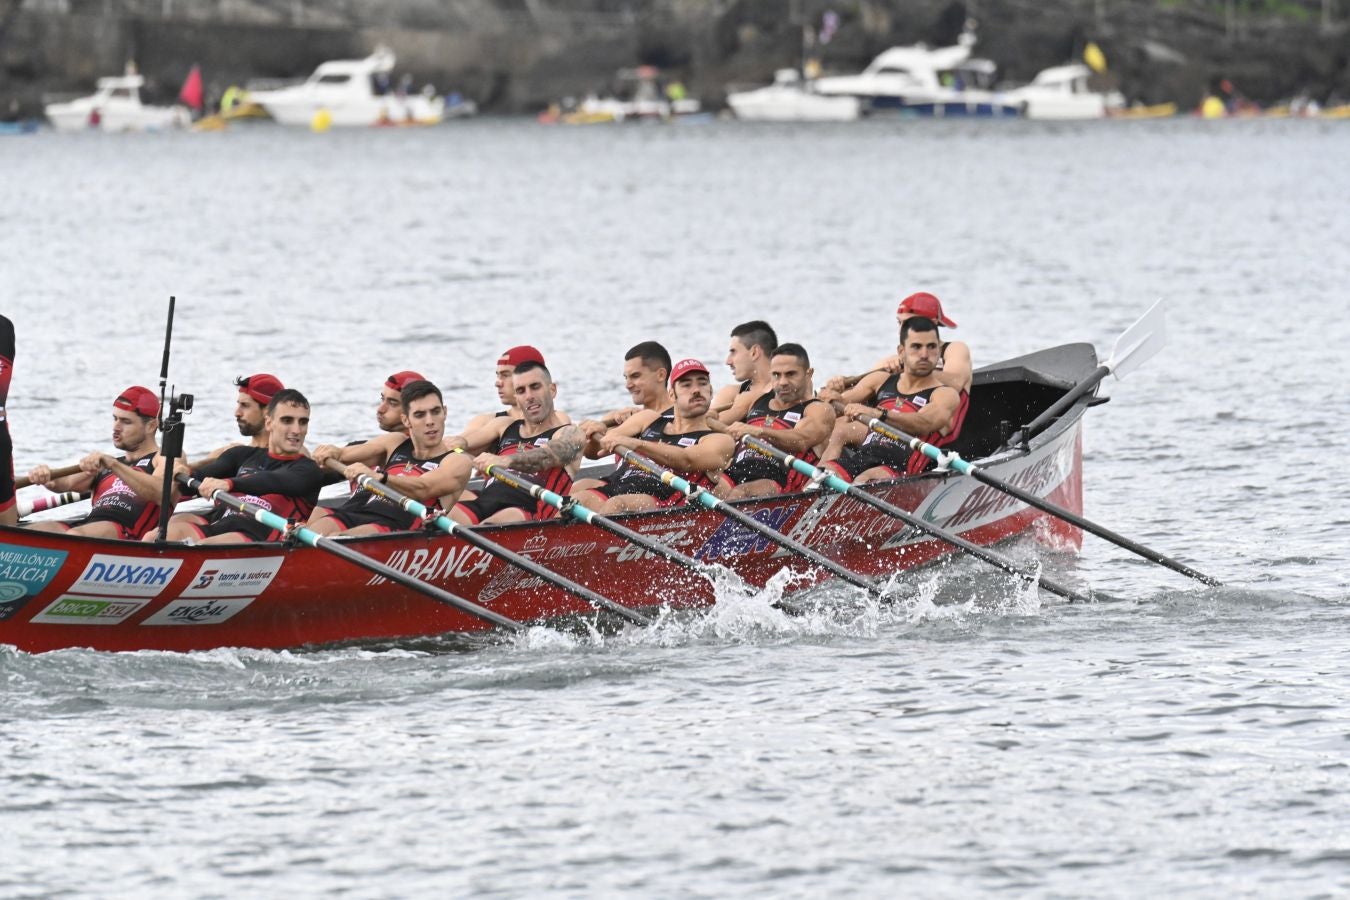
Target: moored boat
{"type": "Point", "coordinates": [59, 591]}
{"type": "Point", "coordinates": [351, 93]}
{"type": "Point", "coordinates": [116, 106]}
{"type": "Point", "coordinates": [791, 99]}
{"type": "Point", "coordinates": [1066, 92]}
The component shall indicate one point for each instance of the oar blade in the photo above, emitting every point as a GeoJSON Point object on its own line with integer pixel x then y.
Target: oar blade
{"type": "Point", "coordinates": [1140, 342]}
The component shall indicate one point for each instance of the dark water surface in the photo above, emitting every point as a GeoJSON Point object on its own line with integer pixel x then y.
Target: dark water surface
{"type": "Point", "coordinates": [972, 738]}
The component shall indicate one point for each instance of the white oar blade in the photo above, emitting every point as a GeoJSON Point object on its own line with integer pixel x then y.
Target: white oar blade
{"type": "Point", "coordinates": [1140, 342]}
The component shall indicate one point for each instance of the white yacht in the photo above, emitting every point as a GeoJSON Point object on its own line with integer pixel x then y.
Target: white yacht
{"type": "Point", "coordinates": [116, 106]}
{"type": "Point", "coordinates": [792, 99]}
{"type": "Point", "coordinates": [351, 93]}
{"type": "Point", "coordinates": [1063, 92]}
{"type": "Point", "coordinates": [919, 80]}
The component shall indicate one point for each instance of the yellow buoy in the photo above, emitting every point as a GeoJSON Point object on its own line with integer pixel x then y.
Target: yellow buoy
{"type": "Point", "coordinates": [322, 121]}
{"type": "Point", "coordinates": [1213, 108]}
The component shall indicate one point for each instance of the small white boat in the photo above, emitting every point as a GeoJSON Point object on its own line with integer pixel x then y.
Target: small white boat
{"type": "Point", "coordinates": [116, 106]}
{"type": "Point", "coordinates": [791, 99]}
{"type": "Point", "coordinates": [351, 93]}
{"type": "Point", "coordinates": [1063, 92]}
{"type": "Point", "coordinates": [918, 80]}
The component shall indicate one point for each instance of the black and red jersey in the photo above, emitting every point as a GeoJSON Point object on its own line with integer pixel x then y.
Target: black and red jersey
{"type": "Point", "coordinates": [286, 485]}
{"type": "Point", "coordinates": [113, 500]}
{"type": "Point", "coordinates": [891, 399]}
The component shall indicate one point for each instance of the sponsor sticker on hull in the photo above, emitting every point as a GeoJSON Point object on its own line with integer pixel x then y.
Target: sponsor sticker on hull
{"type": "Point", "coordinates": [126, 576]}
{"type": "Point", "coordinates": [206, 611]}
{"type": "Point", "coordinates": [24, 572]}
{"type": "Point", "coordinates": [233, 577]}
{"type": "Point", "coordinates": [75, 610]}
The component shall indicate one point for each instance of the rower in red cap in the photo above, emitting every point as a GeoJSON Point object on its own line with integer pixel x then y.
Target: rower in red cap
{"type": "Point", "coordinates": [389, 414]}
{"type": "Point", "coordinates": [506, 365]}
{"type": "Point", "coordinates": [684, 440]}
{"type": "Point", "coordinates": [125, 491]}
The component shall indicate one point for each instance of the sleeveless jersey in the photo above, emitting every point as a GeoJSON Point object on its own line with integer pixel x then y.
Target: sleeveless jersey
{"type": "Point", "coordinates": [113, 500]}
{"type": "Point", "coordinates": [750, 465]}
{"type": "Point", "coordinates": [557, 479]}
{"type": "Point", "coordinates": [890, 398]}
{"type": "Point", "coordinates": [656, 433]}
{"type": "Point", "coordinates": [402, 461]}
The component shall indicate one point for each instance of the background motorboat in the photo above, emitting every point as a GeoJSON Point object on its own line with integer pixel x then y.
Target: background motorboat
{"type": "Point", "coordinates": [1065, 92]}
{"type": "Point", "coordinates": [352, 93]}
{"type": "Point", "coordinates": [792, 99]}
{"type": "Point", "coordinates": [116, 106]}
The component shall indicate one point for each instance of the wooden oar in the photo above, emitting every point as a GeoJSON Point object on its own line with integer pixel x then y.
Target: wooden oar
{"type": "Point", "coordinates": [835, 483]}
{"type": "Point", "coordinates": [469, 536]}
{"type": "Point", "coordinates": [711, 502]}
{"type": "Point", "coordinates": [954, 461]}
{"type": "Point", "coordinates": [56, 473]}
{"type": "Point", "coordinates": [313, 539]}
{"type": "Point", "coordinates": [1136, 346]}
{"type": "Point", "coordinates": [570, 507]}
{"type": "Point", "coordinates": [50, 501]}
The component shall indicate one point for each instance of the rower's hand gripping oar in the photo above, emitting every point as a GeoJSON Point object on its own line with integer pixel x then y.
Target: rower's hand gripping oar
{"type": "Point", "coordinates": [318, 541]}
{"type": "Point", "coordinates": [469, 536]}
{"type": "Point", "coordinates": [954, 461]}
{"type": "Point", "coordinates": [835, 483]}
{"type": "Point", "coordinates": [1136, 346]}
{"type": "Point", "coordinates": [570, 507]}
{"type": "Point", "coordinates": [711, 502]}
{"type": "Point", "coordinates": [73, 469]}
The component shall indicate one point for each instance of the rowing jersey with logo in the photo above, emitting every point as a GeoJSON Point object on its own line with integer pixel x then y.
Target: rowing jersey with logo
{"type": "Point", "coordinates": [367, 506]}
{"type": "Point", "coordinates": [113, 500]}
{"type": "Point", "coordinates": [496, 496]}
{"type": "Point", "coordinates": [751, 465]}
{"type": "Point", "coordinates": [286, 485]}
{"type": "Point", "coordinates": [891, 399]}
{"type": "Point", "coordinates": [638, 480]}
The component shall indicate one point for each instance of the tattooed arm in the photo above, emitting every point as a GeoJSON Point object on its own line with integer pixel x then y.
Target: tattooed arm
{"type": "Point", "coordinates": [562, 451]}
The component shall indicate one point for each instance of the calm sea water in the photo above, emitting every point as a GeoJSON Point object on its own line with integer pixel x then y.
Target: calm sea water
{"type": "Point", "coordinates": [973, 738]}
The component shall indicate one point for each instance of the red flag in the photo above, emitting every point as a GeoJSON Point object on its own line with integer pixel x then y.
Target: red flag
{"type": "Point", "coordinates": [191, 94]}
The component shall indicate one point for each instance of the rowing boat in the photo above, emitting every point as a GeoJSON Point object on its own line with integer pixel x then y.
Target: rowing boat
{"type": "Point", "coordinates": [60, 591]}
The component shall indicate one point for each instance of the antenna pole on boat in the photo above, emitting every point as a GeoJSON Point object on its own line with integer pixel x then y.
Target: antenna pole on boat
{"type": "Point", "coordinates": [171, 409]}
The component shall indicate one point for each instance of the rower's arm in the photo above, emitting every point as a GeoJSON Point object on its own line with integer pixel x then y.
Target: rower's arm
{"type": "Point", "coordinates": [724, 398]}
{"type": "Point", "coordinates": [935, 416]}
{"type": "Point", "coordinates": [289, 481]}
{"type": "Point", "coordinates": [712, 453]}
{"type": "Point", "coordinates": [148, 485]}
{"type": "Point", "coordinates": [369, 453]}
{"type": "Point", "coordinates": [814, 428]}
{"type": "Point", "coordinates": [562, 450]}
{"type": "Point", "coordinates": [956, 366]}
{"type": "Point", "coordinates": [739, 409]}
{"type": "Point", "coordinates": [481, 438]}
{"type": "Point", "coordinates": [446, 480]}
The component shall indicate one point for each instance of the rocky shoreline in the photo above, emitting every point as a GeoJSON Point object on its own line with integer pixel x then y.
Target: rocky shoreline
{"type": "Point", "coordinates": [513, 56]}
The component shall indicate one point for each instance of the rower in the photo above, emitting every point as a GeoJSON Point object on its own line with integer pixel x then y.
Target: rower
{"type": "Point", "coordinates": [506, 365]}
{"type": "Point", "coordinates": [412, 463]}
{"type": "Point", "coordinates": [953, 368]}
{"type": "Point", "coordinates": [916, 401]}
{"type": "Point", "coordinates": [126, 494]}
{"type": "Point", "coordinates": [544, 443]}
{"type": "Point", "coordinates": [752, 343]}
{"type": "Point", "coordinates": [279, 477]}
{"type": "Point", "coordinates": [684, 441]}
{"type": "Point", "coordinates": [255, 392]}
{"type": "Point", "coordinates": [790, 418]}
{"type": "Point", "coordinates": [389, 413]}
{"type": "Point", "coordinates": [9, 512]}
{"type": "Point", "coordinates": [646, 371]}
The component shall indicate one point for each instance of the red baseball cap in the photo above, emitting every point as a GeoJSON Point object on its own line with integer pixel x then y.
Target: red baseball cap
{"type": "Point", "coordinates": [522, 354]}
{"type": "Point", "coordinates": [260, 387]}
{"type": "Point", "coordinates": [926, 305]}
{"type": "Point", "coordinates": [139, 400]}
{"type": "Point", "coordinates": [686, 367]}
{"type": "Point", "coordinates": [399, 380]}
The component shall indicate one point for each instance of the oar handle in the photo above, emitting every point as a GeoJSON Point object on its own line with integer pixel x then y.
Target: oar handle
{"type": "Point", "coordinates": [318, 541]}
{"type": "Point", "coordinates": [450, 526]}
{"type": "Point", "coordinates": [62, 472]}
{"type": "Point", "coordinates": [51, 501]}
{"type": "Point", "coordinates": [834, 482]}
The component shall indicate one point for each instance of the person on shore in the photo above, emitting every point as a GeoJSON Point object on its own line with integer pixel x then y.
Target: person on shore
{"type": "Point", "coordinates": [9, 511]}
{"type": "Point", "coordinates": [278, 477]}
{"type": "Point", "coordinates": [752, 343]}
{"type": "Point", "coordinates": [412, 461]}
{"type": "Point", "coordinates": [916, 401]}
{"type": "Point", "coordinates": [684, 441]}
{"type": "Point", "coordinates": [506, 365]}
{"type": "Point", "coordinates": [953, 369]}
{"type": "Point", "coordinates": [125, 492]}
{"type": "Point", "coordinates": [788, 417]}
{"type": "Point", "coordinates": [543, 443]}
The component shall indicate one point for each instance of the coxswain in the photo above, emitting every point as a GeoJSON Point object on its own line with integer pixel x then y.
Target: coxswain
{"type": "Point", "coordinates": [684, 441]}
{"type": "Point", "coordinates": [125, 492]}
{"type": "Point", "coordinates": [789, 417]}
{"type": "Point", "coordinates": [752, 343]}
{"type": "Point", "coordinates": [953, 368]}
{"type": "Point", "coordinates": [411, 461]}
{"type": "Point", "coordinates": [916, 401]}
{"type": "Point", "coordinates": [543, 444]}
{"type": "Point", "coordinates": [278, 477]}
{"type": "Point", "coordinates": [506, 365]}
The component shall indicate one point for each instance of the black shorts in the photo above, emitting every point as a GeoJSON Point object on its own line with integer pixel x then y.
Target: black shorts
{"type": "Point", "coordinates": [492, 501]}
{"type": "Point", "coordinates": [884, 455]}
{"type": "Point", "coordinates": [389, 519]}
{"type": "Point", "coordinates": [664, 494]}
{"type": "Point", "coordinates": [234, 523]}
{"type": "Point", "coordinates": [6, 467]}
{"type": "Point", "coordinates": [756, 467]}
